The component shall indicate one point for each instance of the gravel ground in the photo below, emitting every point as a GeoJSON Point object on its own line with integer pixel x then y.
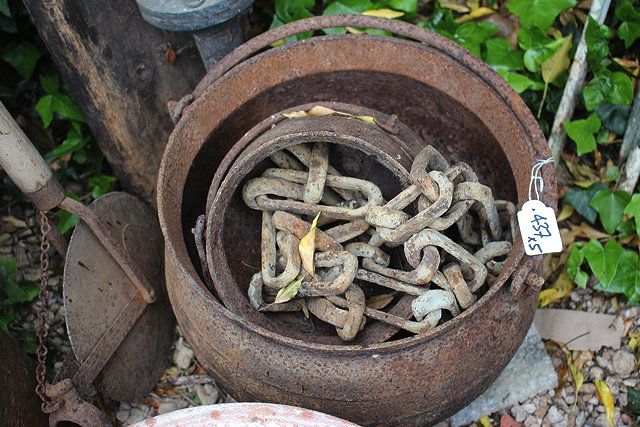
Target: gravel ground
{"type": "Point", "coordinates": [184, 384]}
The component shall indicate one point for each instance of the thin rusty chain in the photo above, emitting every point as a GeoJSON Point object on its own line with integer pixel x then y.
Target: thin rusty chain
{"type": "Point", "coordinates": [42, 313]}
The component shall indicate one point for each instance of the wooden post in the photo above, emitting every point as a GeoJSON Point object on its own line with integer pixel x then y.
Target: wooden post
{"type": "Point", "coordinates": [116, 66]}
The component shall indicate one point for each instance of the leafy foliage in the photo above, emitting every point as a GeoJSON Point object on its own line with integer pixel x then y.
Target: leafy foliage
{"type": "Point", "coordinates": [538, 13]}
{"type": "Point", "coordinates": [583, 133]}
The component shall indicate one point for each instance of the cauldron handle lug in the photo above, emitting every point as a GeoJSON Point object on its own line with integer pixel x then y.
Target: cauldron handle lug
{"type": "Point", "coordinates": [526, 276]}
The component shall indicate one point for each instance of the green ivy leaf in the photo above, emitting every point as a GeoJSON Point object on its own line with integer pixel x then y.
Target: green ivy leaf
{"type": "Point", "coordinates": [603, 261]}
{"type": "Point", "coordinates": [582, 131]}
{"type": "Point", "coordinates": [633, 401]}
{"type": "Point", "coordinates": [57, 103]}
{"type": "Point", "coordinates": [534, 57]}
{"type": "Point", "coordinates": [100, 185]}
{"type": "Point", "coordinates": [408, 6]}
{"type": "Point", "coordinates": [5, 319]}
{"type": "Point", "coordinates": [614, 88]}
{"type": "Point", "coordinates": [500, 56]}
{"type": "Point", "coordinates": [4, 8]}
{"type": "Point", "coordinates": [338, 8]}
{"type": "Point", "coordinates": [51, 85]}
{"type": "Point", "coordinates": [74, 142]}
{"type": "Point", "coordinates": [518, 82]}
{"type": "Point", "coordinates": [574, 261]}
{"type": "Point", "coordinates": [66, 220]}
{"type": "Point", "coordinates": [633, 209]}
{"type": "Point", "coordinates": [532, 38]}
{"type": "Point", "coordinates": [614, 117]}
{"type": "Point", "coordinates": [597, 38]}
{"type": "Point", "coordinates": [610, 205]}
{"type": "Point", "coordinates": [441, 21]}
{"type": "Point", "coordinates": [538, 13]}
{"type": "Point", "coordinates": [580, 199]}
{"type": "Point", "coordinates": [625, 279]}
{"type": "Point", "coordinates": [629, 30]}
{"type": "Point", "coordinates": [293, 10]}
{"type": "Point", "coordinates": [23, 57]}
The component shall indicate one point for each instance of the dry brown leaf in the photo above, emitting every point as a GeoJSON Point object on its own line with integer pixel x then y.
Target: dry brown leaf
{"type": "Point", "coordinates": [585, 230]}
{"type": "Point", "coordinates": [378, 302]}
{"type": "Point", "coordinates": [563, 378]}
{"type": "Point", "coordinates": [171, 56]}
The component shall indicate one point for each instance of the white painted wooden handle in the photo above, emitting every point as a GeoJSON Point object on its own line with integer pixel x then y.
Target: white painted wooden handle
{"type": "Point", "coordinates": [19, 158]}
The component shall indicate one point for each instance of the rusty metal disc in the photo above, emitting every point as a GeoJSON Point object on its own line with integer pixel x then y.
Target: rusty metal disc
{"type": "Point", "coordinates": [96, 291]}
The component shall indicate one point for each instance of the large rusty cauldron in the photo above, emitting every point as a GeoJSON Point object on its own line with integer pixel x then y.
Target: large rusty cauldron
{"type": "Point", "coordinates": [445, 95]}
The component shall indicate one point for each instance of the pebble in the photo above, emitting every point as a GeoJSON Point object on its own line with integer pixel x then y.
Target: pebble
{"type": "Point", "coordinates": [207, 394]}
{"type": "Point", "coordinates": [519, 413]}
{"type": "Point", "coordinates": [623, 362]}
{"type": "Point", "coordinates": [532, 421]}
{"type": "Point", "coordinates": [135, 416]}
{"type": "Point", "coordinates": [628, 313]}
{"type": "Point", "coordinates": [123, 412]}
{"type": "Point", "coordinates": [630, 382]}
{"type": "Point", "coordinates": [602, 362]}
{"type": "Point", "coordinates": [171, 405]}
{"type": "Point", "coordinates": [589, 388]}
{"type": "Point", "coordinates": [182, 357]}
{"type": "Point", "coordinates": [596, 373]}
{"type": "Point", "coordinates": [554, 416]}
{"type": "Point", "coordinates": [529, 408]}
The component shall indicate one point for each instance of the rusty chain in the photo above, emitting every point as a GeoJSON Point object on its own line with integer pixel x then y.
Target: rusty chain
{"type": "Point", "coordinates": [304, 184]}
{"type": "Point", "coordinates": [42, 314]}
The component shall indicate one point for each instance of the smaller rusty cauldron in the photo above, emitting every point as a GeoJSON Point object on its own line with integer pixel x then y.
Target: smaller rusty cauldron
{"type": "Point", "coordinates": [444, 95]}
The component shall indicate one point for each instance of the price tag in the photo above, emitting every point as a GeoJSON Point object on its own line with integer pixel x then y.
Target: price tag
{"type": "Point", "coordinates": [539, 229]}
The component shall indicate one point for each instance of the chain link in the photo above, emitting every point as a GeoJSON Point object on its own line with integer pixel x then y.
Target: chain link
{"type": "Point", "coordinates": [42, 313]}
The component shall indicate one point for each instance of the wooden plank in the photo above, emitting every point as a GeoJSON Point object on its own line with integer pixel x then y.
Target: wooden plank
{"type": "Point", "coordinates": [116, 67]}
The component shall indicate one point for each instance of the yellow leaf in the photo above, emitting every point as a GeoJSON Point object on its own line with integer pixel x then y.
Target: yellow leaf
{"type": "Point", "coordinates": [288, 292]}
{"type": "Point", "coordinates": [555, 33]}
{"type": "Point", "coordinates": [454, 5]}
{"type": "Point", "coordinates": [478, 13]}
{"type": "Point", "coordinates": [367, 119]}
{"type": "Point", "coordinates": [605, 397]}
{"type": "Point", "coordinates": [319, 110]}
{"type": "Point", "coordinates": [634, 343]}
{"type": "Point", "coordinates": [560, 289]}
{"type": "Point", "coordinates": [307, 246]}
{"type": "Point", "coordinates": [384, 13]}
{"type": "Point", "coordinates": [485, 421]}
{"type": "Point", "coordinates": [576, 374]}
{"type": "Point", "coordinates": [278, 43]}
{"type": "Point", "coordinates": [352, 30]}
{"type": "Point", "coordinates": [378, 302]}
{"type": "Point", "coordinates": [583, 184]}
{"type": "Point", "coordinates": [295, 114]}
{"type": "Point", "coordinates": [553, 67]}
{"type": "Point", "coordinates": [566, 212]}
{"type": "Point", "coordinates": [473, 4]}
